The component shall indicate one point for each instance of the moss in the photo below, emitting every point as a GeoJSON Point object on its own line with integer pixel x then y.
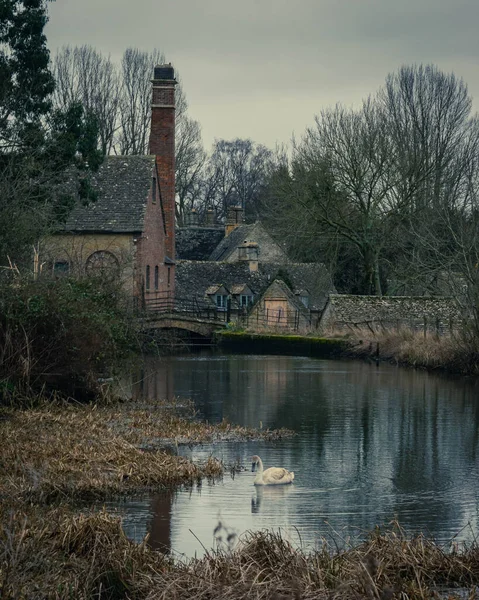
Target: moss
{"type": "Point", "coordinates": [280, 343]}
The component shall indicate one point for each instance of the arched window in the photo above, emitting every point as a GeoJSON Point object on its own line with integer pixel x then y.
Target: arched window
{"type": "Point", "coordinates": [102, 263]}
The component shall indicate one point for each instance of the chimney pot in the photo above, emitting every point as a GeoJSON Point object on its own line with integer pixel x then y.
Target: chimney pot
{"type": "Point", "coordinates": [164, 72]}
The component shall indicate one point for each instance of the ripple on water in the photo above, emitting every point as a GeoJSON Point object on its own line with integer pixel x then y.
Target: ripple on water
{"type": "Point", "coordinates": [373, 445]}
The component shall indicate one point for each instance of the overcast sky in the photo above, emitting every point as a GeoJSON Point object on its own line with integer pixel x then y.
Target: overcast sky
{"type": "Point", "coordinates": [262, 69]}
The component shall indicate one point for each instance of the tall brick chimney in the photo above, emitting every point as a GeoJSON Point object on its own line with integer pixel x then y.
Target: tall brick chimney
{"type": "Point", "coordinates": [162, 144]}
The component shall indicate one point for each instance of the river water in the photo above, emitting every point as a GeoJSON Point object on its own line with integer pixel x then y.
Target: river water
{"type": "Point", "coordinates": [374, 444]}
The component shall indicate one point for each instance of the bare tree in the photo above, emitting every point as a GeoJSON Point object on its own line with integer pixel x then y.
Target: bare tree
{"type": "Point", "coordinates": [135, 113]}
{"type": "Point", "coordinates": [429, 121]}
{"type": "Point", "coordinates": [190, 160]}
{"type": "Point", "coordinates": [236, 174]}
{"type": "Point", "coordinates": [83, 75]}
{"type": "Point", "coordinates": [343, 182]}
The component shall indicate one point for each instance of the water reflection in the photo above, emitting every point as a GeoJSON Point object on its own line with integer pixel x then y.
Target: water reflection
{"type": "Point", "coordinates": [373, 444]}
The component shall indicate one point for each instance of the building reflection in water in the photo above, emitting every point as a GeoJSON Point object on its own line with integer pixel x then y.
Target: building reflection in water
{"type": "Point", "coordinates": [160, 525]}
{"type": "Point", "coordinates": [373, 444]}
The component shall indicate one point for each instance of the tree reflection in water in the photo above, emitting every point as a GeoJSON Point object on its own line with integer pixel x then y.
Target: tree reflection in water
{"type": "Point", "coordinates": [373, 444]}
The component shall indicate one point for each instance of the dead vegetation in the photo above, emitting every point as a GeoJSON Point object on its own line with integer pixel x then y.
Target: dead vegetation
{"type": "Point", "coordinates": [56, 554]}
{"type": "Point", "coordinates": [456, 353]}
{"type": "Point", "coordinates": [53, 458]}
{"type": "Point", "coordinates": [80, 453]}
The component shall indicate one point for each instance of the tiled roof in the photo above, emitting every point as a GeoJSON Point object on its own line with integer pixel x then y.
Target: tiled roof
{"type": "Point", "coordinates": [193, 278]}
{"type": "Point", "coordinates": [362, 309]}
{"type": "Point", "coordinates": [197, 243]}
{"type": "Point", "coordinates": [229, 243]}
{"type": "Point", "coordinates": [123, 184]}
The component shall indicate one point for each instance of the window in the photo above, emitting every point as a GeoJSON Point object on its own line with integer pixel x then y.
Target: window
{"type": "Point", "coordinates": [156, 278]}
{"type": "Point", "coordinates": [153, 190]}
{"type": "Point", "coordinates": [61, 268]}
{"type": "Point", "coordinates": [305, 300]}
{"type": "Point", "coordinates": [169, 275]}
{"type": "Point", "coordinates": [102, 263]}
{"type": "Point", "coordinates": [221, 301]}
{"type": "Point", "coordinates": [246, 300]}
{"type": "Point", "coordinates": [147, 282]}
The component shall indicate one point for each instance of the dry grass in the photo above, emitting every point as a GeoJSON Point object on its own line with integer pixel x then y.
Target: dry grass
{"type": "Point", "coordinates": [56, 554]}
{"type": "Point", "coordinates": [69, 454]}
{"type": "Point", "coordinates": [454, 353]}
{"type": "Point", "coordinates": [79, 453]}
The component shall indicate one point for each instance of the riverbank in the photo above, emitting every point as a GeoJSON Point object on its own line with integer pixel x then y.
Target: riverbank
{"type": "Point", "coordinates": [56, 554]}
{"type": "Point", "coordinates": [59, 457]}
{"type": "Point", "coordinates": [56, 459]}
{"type": "Point", "coordinates": [451, 353]}
{"type": "Point", "coordinates": [78, 453]}
{"type": "Point", "coordinates": [277, 343]}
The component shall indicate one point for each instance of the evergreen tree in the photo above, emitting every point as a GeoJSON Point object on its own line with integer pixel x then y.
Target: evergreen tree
{"type": "Point", "coordinates": [37, 143]}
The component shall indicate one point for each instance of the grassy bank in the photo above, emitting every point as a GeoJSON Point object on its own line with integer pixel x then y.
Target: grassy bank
{"type": "Point", "coordinates": [452, 353]}
{"type": "Point", "coordinates": [55, 553]}
{"type": "Point", "coordinates": [77, 453]}
{"type": "Point", "coordinates": [56, 458]}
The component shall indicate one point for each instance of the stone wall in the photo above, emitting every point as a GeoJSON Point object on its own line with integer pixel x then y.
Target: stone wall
{"type": "Point", "coordinates": [432, 313]}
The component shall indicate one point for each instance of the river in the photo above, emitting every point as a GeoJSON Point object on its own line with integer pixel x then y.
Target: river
{"type": "Point", "coordinates": [374, 444]}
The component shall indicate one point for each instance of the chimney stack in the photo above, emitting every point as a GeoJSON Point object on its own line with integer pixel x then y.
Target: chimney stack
{"type": "Point", "coordinates": [162, 144]}
{"type": "Point", "coordinates": [234, 218]}
{"type": "Point", "coordinates": [249, 252]}
{"type": "Point", "coordinates": [193, 218]}
{"type": "Point", "coordinates": [210, 217]}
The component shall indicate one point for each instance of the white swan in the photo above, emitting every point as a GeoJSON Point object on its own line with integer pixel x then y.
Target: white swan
{"type": "Point", "coordinates": [272, 476]}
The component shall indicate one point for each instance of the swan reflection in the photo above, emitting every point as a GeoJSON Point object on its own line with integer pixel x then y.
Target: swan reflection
{"type": "Point", "coordinates": [271, 496]}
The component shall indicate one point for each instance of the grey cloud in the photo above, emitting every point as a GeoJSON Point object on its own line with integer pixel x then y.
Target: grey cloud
{"type": "Point", "coordinates": [236, 58]}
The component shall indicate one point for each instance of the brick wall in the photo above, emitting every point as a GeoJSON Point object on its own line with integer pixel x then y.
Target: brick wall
{"type": "Point", "coordinates": [162, 144]}
{"type": "Point", "coordinates": [151, 252]}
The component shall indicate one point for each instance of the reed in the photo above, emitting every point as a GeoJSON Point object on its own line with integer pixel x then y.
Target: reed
{"type": "Point", "coordinates": [58, 554]}
{"type": "Point", "coordinates": [458, 353]}
{"type": "Point", "coordinates": [81, 453]}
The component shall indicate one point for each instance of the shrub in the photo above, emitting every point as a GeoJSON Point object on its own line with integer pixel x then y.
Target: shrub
{"type": "Point", "coordinates": [59, 334]}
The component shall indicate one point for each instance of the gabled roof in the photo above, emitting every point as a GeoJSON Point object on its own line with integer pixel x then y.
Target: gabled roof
{"type": "Point", "coordinates": [241, 288]}
{"type": "Point", "coordinates": [281, 290]}
{"type": "Point", "coordinates": [197, 243]}
{"type": "Point", "coordinates": [229, 243]}
{"type": "Point", "coordinates": [123, 184]}
{"type": "Point", "coordinates": [212, 289]}
{"type": "Point", "coordinates": [193, 278]}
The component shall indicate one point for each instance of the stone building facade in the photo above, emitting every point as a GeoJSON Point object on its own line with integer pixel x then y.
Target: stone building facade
{"type": "Point", "coordinates": [129, 230]}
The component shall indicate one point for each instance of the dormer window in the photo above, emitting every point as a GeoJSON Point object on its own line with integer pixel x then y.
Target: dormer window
{"type": "Point", "coordinates": [221, 301]}
{"type": "Point", "coordinates": [246, 300]}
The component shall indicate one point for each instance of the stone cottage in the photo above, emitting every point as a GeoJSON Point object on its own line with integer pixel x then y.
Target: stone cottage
{"type": "Point", "coordinates": [247, 272]}
{"type": "Point", "coordinates": [129, 231]}
{"type": "Point", "coordinates": [279, 308]}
